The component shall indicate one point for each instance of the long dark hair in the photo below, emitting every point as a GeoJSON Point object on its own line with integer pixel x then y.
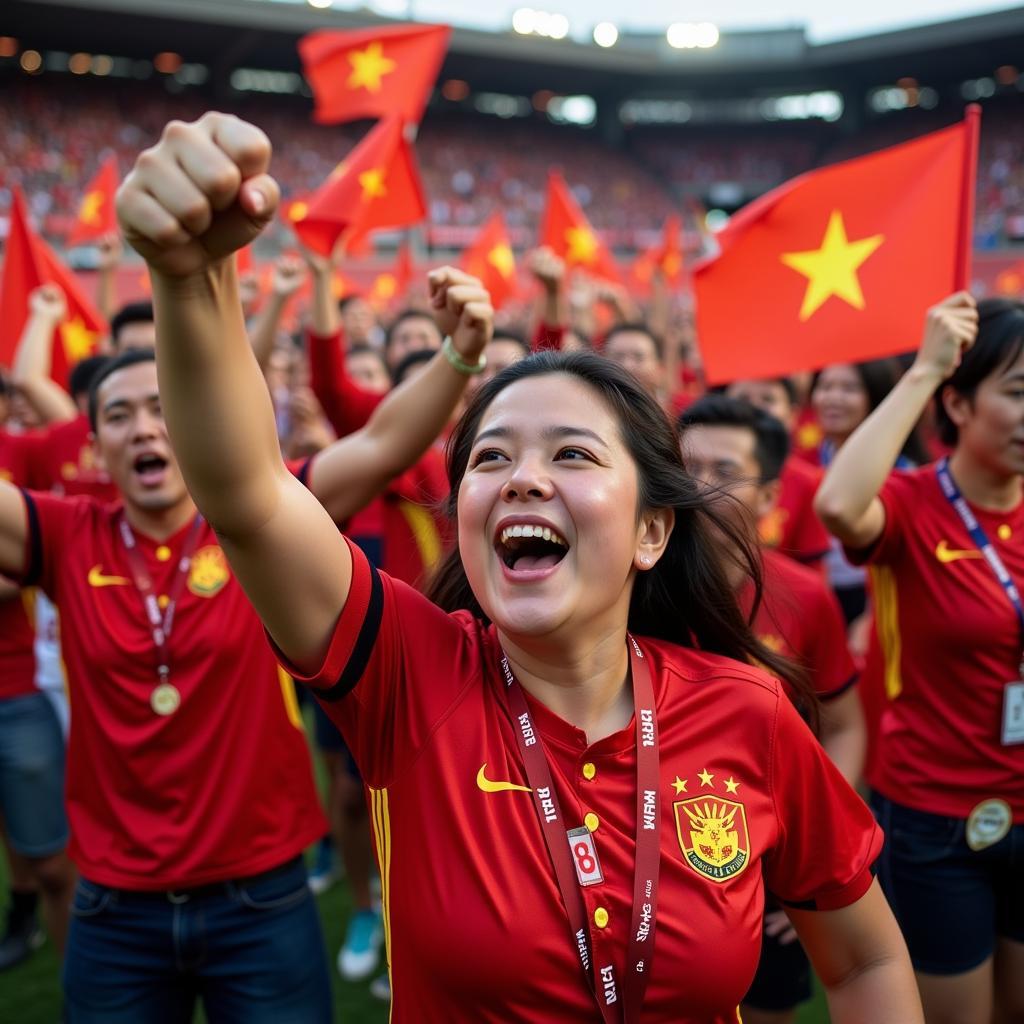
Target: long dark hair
{"type": "Point", "coordinates": [878, 377]}
{"type": "Point", "coordinates": [686, 598]}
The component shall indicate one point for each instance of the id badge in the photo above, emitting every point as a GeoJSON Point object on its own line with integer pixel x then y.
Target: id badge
{"type": "Point", "coordinates": [1013, 713]}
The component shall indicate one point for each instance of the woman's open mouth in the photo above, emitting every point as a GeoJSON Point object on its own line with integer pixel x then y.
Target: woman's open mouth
{"type": "Point", "coordinates": [530, 548]}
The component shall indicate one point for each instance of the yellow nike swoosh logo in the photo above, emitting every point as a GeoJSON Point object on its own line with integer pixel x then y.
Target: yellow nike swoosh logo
{"type": "Point", "coordinates": [488, 786]}
{"type": "Point", "coordinates": [945, 554]}
{"type": "Point", "coordinates": [97, 579]}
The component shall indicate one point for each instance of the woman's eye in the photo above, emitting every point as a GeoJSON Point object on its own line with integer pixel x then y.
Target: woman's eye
{"type": "Point", "coordinates": [487, 455]}
{"type": "Point", "coordinates": [572, 454]}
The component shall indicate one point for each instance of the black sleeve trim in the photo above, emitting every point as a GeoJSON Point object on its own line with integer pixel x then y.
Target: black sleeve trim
{"type": "Point", "coordinates": [839, 691]}
{"type": "Point", "coordinates": [303, 474]}
{"type": "Point", "coordinates": [34, 568]}
{"type": "Point", "coordinates": [363, 648]}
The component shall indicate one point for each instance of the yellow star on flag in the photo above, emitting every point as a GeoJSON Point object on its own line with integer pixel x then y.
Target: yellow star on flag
{"type": "Point", "coordinates": [372, 184]}
{"type": "Point", "coordinates": [297, 211]}
{"type": "Point", "coordinates": [680, 785]}
{"type": "Point", "coordinates": [385, 286]}
{"type": "Point", "coordinates": [731, 785]}
{"type": "Point", "coordinates": [77, 339]}
{"type": "Point", "coordinates": [582, 245]}
{"type": "Point", "coordinates": [502, 259]}
{"type": "Point", "coordinates": [705, 777]}
{"type": "Point", "coordinates": [89, 210]}
{"type": "Point", "coordinates": [369, 66]}
{"type": "Point", "coordinates": [671, 264]}
{"type": "Point", "coordinates": [832, 269]}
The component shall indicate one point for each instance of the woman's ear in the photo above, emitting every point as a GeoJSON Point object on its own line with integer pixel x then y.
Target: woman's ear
{"type": "Point", "coordinates": [655, 530]}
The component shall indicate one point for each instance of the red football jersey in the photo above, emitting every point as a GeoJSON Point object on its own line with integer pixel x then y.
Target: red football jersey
{"type": "Point", "coordinates": [800, 617]}
{"type": "Point", "coordinates": [62, 459]}
{"type": "Point", "coordinates": [220, 786]}
{"type": "Point", "coordinates": [793, 526]}
{"type": "Point", "coordinates": [950, 641]}
{"type": "Point", "coordinates": [346, 405]}
{"type": "Point", "coordinates": [475, 925]}
{"type": "Point", "coordinates": [17, 633]}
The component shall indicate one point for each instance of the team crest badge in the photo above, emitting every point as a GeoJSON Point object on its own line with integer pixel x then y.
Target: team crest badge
{"type": "Point", "coordinates": [713, 836]}
{"type": "Point", "coordinates": [209, 571]}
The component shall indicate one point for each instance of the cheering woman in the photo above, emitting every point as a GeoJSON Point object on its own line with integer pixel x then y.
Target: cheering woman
{"type": "Point", "coordinates": [580, 785]}
{"type": "Point", "coordinates": [944, 545]}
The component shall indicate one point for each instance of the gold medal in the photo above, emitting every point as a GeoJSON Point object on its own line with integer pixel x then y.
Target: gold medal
{"type": "Point", "coordinates": [988, 823]}
{"type": "Point", "coordinates": [165, 699]}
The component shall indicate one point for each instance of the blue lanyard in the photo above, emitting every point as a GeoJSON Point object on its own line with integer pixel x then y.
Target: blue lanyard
{"type": "Point", "coordinates": [980, 538]}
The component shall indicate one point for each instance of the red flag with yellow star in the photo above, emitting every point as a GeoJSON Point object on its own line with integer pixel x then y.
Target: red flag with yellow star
{"type": "Point", "coordinates": [840, 264]}
{"type": "Point", "coordinates": [376, 186]}
{"type": "Point", "coordinates": [566, 230]}
{"type": "Point", "coordinates": [390, 286]}
{"type": "Point", "coordinates": [28, 263]}
{"type": "Point", "coordinates": [96, 214]}
{"type": "Point", "coordinates": [490, 258]}
{"type": "Point", "coordinates": [669, 255]}
{"type": "Point", "coordinates": [376, 72]}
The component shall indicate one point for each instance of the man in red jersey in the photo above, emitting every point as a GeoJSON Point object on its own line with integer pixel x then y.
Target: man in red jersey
{"type": "Point", "coordinates": [792, 525]}
{"type": "Point", "coordinates": [731, 445]}
{"type": "Point", "coordinates": [188, 818]}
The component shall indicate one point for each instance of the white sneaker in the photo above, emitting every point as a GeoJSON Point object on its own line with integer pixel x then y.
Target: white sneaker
{"type": "Point", "coordinates": [358, 957]}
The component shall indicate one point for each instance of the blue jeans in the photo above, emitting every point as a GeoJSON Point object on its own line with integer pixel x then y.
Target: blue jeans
{"type": "Point", "coordinates": [251, 949]}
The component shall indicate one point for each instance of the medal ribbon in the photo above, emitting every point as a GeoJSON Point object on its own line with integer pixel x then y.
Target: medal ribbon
{"type": "Point", "coordinates": [640, 952]}
{"type": "Point", "coordinates": [982, 542]}
{"type": "Point", "coordinates": [160, 623]}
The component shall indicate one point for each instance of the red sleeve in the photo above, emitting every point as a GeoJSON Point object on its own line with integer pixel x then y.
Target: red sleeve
{"type": "Point", "coordinates": [830, 663]}
{"type": "Point", "coordinates": [346, 405]}
{"type": "Point", "coordinates": [898, 499]}
{"type": "Point", "coordinates": [33, 454]}
{"type": "Point", "coordinates": [51, 522]}
{"type": "Point", "coordinates": [396, 664]}
{"type": "Point", "coordinates": [548, 336]}
{"type": "Point", "coordinates": [827, 839]}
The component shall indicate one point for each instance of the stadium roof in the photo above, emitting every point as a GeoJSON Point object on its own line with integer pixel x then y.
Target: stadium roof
{"type": "Point", "coordinates": [225, 34]}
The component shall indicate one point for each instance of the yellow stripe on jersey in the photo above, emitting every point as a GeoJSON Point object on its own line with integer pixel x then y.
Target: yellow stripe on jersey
{"type": "Point", "coordinates": [291, 702]}
{"type": "Point", "coordinates": [887, 624]}
{"type": "Point", "coordinates": [424, 532]}
{"type": "Point", "coordinates": [28, 600]}
{"type": "Point", "coordinates": [381, 816]}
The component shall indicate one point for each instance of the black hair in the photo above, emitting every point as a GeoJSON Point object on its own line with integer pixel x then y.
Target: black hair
{"type": "Point", "coordinates": [878, 377]}
{"type": "Point", "coordinates": [405, 315]}
{"type": "Point", "coordinates": [111, 366]}
{"type": "Point", "coordinates": [347, 300]}
{"type": "Point", "coordinates": [132, 313]}
{"type": "Point", "coordinates": [423, 355]}
{"type": "Point", "coordinates": [81, 375]}
{"type": "Point", "coordinates": [363, 349]}
{"type": "Point", "coordinates": [771, 439]}
{"type": "Point", "coordinates": [635, 328]}
{"type": "Point", "coordinates": [999, 344]}
{"type": "Point", "coordinates": [501, 334]}
{"type": "Point", "coordinates": [686, 598]}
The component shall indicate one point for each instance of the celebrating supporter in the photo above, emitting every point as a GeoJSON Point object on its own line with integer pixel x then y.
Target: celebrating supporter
{"type": "Point", "coordinates": [740, 450]}
{"type": "Point", "coordinates": [943, 543]}
{"type": "Point", "coordinates": [792, 525]}
{"type": "Point", "coordinates": [637, 350]}
{"type": "Point", "coordinates": [590, 585]}
{"type": "Point", "coordinates": [149, 703]}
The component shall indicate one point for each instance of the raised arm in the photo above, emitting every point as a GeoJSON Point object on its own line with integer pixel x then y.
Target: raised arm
{"type": "Point", "coordinates": [289, 273]}
{"type": "Point", "coordinates": [553, 313]}
{"type": "Point", "coordinates": [351, 472]}
{"type": "Point", "coordinates": [109, 249]}
{"type": "Point", "coordinates": [191, 201]}
{"type": "Point", "coordinates": [47, 307]}
{"type": "Point", "coordinates": [13, 530]}
{"type": "Point", "coordinates": [847, 501]}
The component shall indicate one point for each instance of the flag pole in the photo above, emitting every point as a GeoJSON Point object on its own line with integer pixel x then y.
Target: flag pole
{"type": "Point", "coordinates": [968, 179]}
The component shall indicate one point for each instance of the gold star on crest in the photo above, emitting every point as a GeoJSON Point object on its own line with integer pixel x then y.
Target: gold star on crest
{"type": "Point", "coordinates": [89, 211]}
{"type": "Point", "coordinates": [832, 269]}
{"type": "Point", "coordinates": [705, 777]}
{"type": "Point", "coordinates": [372, 183]}
{"type": "Point", "coordinates": [77, 339]}
{"type": "Point", "coordinates": [369, 66]}
{"type": "Point", "coordinates": [731, 785]}
{"type": "Point", "coordinates": [502, 259]}
{"type": "Point", "coordinates": [679, 785]}
{"type": "Point", "coordinates": [582, 245]}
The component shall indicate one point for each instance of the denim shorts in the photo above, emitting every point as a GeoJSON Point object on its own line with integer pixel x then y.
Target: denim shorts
{"type": "Point", "coordinates": [32, 776]}
{"type": "Point", "coordinates": [950, 901]}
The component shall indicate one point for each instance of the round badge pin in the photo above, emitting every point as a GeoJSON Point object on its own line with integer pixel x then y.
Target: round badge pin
{"type": "Point", "coordinates": [988, 823]}
{"type": "Point", "coordinates": [165, 699]}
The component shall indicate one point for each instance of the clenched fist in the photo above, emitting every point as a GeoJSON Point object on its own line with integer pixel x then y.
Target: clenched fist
{"type": "Point", "coordinates": [199, 194]}
{"type": "Point", "coordinates": [949, 330]}
{"type": "Point", "coordinates": [462, 310]}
